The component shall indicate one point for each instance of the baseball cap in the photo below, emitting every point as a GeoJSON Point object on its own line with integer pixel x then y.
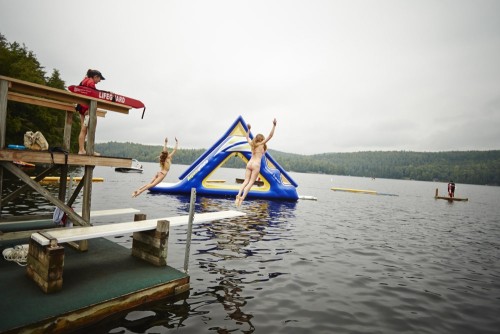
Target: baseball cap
{"type": "Point", "coordinates": [99, 74]}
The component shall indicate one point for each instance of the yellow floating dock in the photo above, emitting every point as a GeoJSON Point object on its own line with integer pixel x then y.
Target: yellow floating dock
{"type": "Point", "coordinates": [75, 178]}
{"type": "Point", "coordinates": [371, 192]}
{"type": "Point", "coordinates": [362, 191]}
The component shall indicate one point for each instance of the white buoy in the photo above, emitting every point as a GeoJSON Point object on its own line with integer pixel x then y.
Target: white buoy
{"type": "Point", "coordinates": [311, 198]}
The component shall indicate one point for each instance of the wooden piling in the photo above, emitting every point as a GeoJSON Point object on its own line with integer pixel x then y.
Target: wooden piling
{"type": "Point", "coordinates": [151, 246]}
{"type": "Point", "coordinates": [45, 265]}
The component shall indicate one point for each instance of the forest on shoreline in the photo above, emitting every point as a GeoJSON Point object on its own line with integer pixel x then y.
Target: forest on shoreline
{"type": "Point", "coordinates": [472, 167]}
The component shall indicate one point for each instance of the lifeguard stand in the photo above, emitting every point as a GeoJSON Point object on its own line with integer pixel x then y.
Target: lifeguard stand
{"type": "Point", "coordinates": [59, 100]}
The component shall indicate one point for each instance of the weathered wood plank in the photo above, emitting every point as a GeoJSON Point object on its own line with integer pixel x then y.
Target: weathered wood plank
{"type": "Point", "coordinates": [152, 246]}
{"type": "Point", "coordinates": [147, 238]}
{"type": "Point", "coordinates": [65, 323]}
{"type": "Point", "coordinates": [47, 92]}
{"type": "Point", "coordinates": [45, 266]}
{"type": "Point", "coordinates": [73, 159]}
{"type": "Point", "coordinates": [39, 101]}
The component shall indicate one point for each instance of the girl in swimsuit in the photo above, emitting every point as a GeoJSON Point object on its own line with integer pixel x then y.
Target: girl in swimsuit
{"type": "Point", "coordinates": [259, 148]}
{"type": "Point", "coordinates": [165, 162]}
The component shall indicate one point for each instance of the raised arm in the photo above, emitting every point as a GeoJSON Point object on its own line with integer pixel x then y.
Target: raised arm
{"type": "Point", "coordinates": [165, 145]}
{"type": "Point", "coordinates": [248, 134]}
{"type": "Point", "coordinates": [171, 154]}
{"type": "Point", "coordinates": [271, 134]}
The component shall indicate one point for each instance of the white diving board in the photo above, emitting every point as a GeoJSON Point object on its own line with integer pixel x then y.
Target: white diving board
{"type": "Point", "coordinates": [110, 212]}
{"type": "Point", "coordinates": [65, 235]}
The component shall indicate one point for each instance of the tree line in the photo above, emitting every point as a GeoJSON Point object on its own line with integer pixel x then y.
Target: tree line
{"type": "Point", "coordinates": [16, 61]}
{"type": "Point", "coordinates": [474, 167]}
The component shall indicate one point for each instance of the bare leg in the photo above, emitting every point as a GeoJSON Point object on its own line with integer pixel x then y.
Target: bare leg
{"type": "Point", "coordinates": [248, 174]}
{"type": "Point", "coordinates": [253, 176]}
{"type": "Point", "coordinates": [81, 136]}
{"type": "Point", "coordinates": [157, 179]}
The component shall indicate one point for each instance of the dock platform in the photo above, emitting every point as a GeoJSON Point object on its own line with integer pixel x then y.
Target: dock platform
{"type": "Point", "coordinates": [99, 280]}
{"type": "Point", "coordinates": [89, 295]}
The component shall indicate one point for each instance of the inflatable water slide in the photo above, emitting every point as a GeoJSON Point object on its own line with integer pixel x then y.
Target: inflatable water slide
{"type": "Point", "coordinates": [274, 183]}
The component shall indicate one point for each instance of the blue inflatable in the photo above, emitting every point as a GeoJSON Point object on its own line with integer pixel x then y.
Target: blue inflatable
{"type": "Point", "coordinates": [275, 182]}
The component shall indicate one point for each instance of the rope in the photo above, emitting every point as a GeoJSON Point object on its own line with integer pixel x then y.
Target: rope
{"type": "Point", "coordinates": [18, 254]}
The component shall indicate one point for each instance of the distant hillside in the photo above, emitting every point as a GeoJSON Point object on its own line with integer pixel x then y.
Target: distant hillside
{"type": "Point", "coordinates": [473, 167]}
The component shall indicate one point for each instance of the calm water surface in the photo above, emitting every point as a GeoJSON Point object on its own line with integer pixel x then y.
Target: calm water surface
{"type": "Point", "coordinates": [346, 263]}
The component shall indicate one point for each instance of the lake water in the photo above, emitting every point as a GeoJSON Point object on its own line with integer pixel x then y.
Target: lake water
{"type": "Point", "coordinates": [346, 263]}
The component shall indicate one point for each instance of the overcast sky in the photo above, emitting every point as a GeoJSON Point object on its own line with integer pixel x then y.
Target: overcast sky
{"type": "Point", "coordinates": [339, 76]}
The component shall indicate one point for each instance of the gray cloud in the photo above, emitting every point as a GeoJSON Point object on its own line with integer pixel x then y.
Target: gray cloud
{"type": "Point", "coordinates": [339, 76]}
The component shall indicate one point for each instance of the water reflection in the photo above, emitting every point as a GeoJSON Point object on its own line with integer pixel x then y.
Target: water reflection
{"type": "Point", "coordinates": [30, 202]}
{"type": "Point", "coordinates": [228, 244]}
{"type": "Point", "coordinates": [155, 317]}
{"type": "Point", "coordinates": [343, 264]}
{"type": "Point", "coordinates": [220, 275]}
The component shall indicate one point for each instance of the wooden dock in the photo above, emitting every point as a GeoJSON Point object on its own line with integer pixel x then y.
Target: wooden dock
{"type": "Point", "coordinates": [98, 283]}
{"type": "Point", "coordinates": [100, 276]}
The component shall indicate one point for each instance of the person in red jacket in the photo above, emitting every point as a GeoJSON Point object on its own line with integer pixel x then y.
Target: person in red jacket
{"type": "Point", "coordinates": [92, 78]}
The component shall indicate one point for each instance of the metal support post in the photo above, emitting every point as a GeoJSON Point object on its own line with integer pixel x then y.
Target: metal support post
{"type": "Point", "coordinates": [192, 203]}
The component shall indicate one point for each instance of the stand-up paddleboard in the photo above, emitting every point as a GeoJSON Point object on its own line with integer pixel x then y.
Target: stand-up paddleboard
{"type": "Point", "coordinates": [107, 96]}
{"type": "Point", "coordinates": [450, 199]}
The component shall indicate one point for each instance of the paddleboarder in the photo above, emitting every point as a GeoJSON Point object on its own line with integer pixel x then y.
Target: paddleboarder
{"type": "Point", "coordinates": [451, 189]}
